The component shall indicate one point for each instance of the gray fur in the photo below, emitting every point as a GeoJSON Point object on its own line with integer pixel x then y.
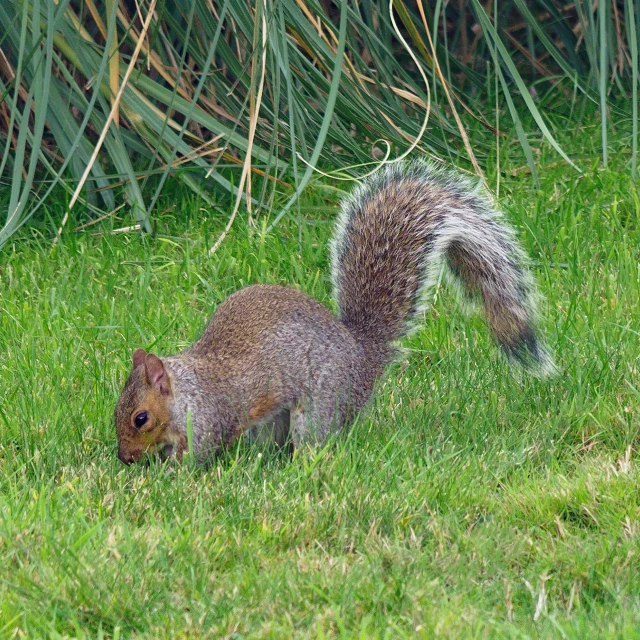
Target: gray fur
{"type": "Point", "coordinates": [410, 221]}
{"type": "Point", "coordinates": [272, 354]}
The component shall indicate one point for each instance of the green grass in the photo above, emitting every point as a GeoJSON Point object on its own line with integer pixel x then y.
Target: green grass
{"type": "Point", "coordinates": [467, 502]}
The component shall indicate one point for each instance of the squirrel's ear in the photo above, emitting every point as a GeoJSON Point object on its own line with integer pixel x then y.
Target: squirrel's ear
{"type": "Point", "coordinates": [156, 374]}
{"type": "Point", "coordinates": [138, 357]}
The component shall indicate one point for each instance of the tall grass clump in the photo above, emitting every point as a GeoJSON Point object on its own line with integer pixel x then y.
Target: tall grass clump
{"type": "Point", "coordinates": [105, 99]}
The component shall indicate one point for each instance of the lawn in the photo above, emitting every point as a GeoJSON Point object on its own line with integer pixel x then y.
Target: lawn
{"type": "Point", "coordinates": [467, 502]}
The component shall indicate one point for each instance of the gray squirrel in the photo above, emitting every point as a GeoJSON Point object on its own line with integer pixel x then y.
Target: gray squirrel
{"type": "Point", "coordinates": [275, 361]}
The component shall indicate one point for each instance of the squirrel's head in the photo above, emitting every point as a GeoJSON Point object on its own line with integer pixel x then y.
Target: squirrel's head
{"type": "Point", "coordinates": [143, 412]}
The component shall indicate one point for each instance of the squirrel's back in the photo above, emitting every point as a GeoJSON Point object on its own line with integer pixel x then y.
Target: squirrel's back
{"type": "Point", "coordinates": [396, 233]}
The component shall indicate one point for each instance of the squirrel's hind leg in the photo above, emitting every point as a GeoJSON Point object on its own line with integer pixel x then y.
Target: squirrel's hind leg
{"type": "Point", "coordinates": [332, 392]}
{"type": "Point", "coordinates": [313, 420]}
{"type": "Point", "coordinates": [300, 428]}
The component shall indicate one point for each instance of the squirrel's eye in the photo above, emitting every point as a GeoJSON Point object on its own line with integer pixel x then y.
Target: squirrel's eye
{"type": "Point", "coordinates": [141, 419]}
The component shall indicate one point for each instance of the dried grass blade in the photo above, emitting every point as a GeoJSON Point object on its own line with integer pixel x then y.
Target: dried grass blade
{"type": "Point", "coordinates": [252, 131]}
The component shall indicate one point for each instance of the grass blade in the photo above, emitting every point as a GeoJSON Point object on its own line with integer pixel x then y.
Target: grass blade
{"type": "Point", "coordinates": [326, 122]}
{"type": "Point", "coordinates": [633, 45]}
{"type": "Point", "coordinates": [513, 71]}
{"type": "Point", "coordinates": [602, 84]}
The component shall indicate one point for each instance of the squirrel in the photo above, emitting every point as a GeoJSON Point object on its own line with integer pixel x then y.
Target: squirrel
{"type": "Point", "coordinates": [277, 363]}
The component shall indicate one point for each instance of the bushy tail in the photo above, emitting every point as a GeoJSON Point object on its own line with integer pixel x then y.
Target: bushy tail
{"type": "Point", "coordinates": [397, 231]}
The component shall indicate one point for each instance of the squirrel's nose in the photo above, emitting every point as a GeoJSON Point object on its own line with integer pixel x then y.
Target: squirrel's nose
{"type": "Point", "coordinates": [127, 458]}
